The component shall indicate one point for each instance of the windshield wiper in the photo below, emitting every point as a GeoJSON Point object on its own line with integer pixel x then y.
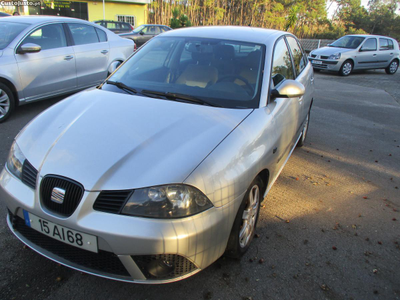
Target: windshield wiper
{"type": "Point", "coordinates": [177, 96]}
{"type": "Point", "coordinates": [123, 86]}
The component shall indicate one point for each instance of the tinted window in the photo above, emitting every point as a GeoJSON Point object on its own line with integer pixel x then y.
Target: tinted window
{"type": "Point", "coordinates": [9, 31]}
{"type": "Point", "coordinates": [282, 67]}
{"type": "Point", "coordinates": [383, 44]}
{"type": "Point", "coordinates": [102, 35]}
{"type": "Point", "coordinates": [369, 45]}
{"type": "Point", "coordinates": [391, 46]}
{"type": "Point", "coordinates": [156, 30]}
{"type": "Point", "coordinates": [48, 37]}
{"type": "Point", "coordinates": [83, 34]}
{"type": "Point", "coordinates": [299, 60]}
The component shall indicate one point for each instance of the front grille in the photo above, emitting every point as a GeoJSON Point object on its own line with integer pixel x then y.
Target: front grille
{"type": "Point", "coordinates": [111, 201]}
{"type": "Point", "coordinates": [104, 262]}
{"type": "Point", "coordinates": [73, 194]}
{"type": "Point", "coordinates": [324, 57]}
{"type": "Point", "coordinates": [29, 174]}
{"type": "Point", "coordinates": [178, 265]}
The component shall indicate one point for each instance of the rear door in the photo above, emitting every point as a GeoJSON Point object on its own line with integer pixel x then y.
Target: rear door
{"type": "Point", "coordinates": [91, 52]}
{"type": "Point", "coordinates": [52, 70]}
{"type": "Point", "coordinates": [367, 57]}
{"type": "Point", "coordinates": [385, 53]}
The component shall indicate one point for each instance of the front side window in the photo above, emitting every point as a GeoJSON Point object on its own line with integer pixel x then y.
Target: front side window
{"type": "Point", "coordinates": [369, 45]}
{"type": "Point", "coordinates": [48, 37]}
{"type": "Point", "coordinates": [201, 68]}
{"type": "Point", "coordinates": [138, 29]}
{"type": "Point", "coordinates": [282, 67]}
{"type": "Point", "coordinates": [83, 34]}
{"type": "Point", "coordinates": [9, 31]}
{"type": "Point", "coordinates": [298, 58]}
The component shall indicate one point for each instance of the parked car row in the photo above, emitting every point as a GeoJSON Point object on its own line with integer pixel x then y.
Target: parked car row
{"type": "Point", "coordinates": [144, 33]}
{"type": "Point", "coordinates": [357, 52]}
{"type": "Point", "coordinates": [42, 57]}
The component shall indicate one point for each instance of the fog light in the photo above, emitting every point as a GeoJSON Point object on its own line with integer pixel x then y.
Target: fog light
{"type": "Point", "coordinates": [160, 268]}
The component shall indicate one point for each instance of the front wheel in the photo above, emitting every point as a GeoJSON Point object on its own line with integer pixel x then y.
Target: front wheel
{"type": "Point", "coordinates": [7, 102]}
{"type": "Point", "coordinates": [346, 68]}
{"type": "Point", "coordinates": [392, 68]}
{"type": "Point", "coordinates": [245, 222]}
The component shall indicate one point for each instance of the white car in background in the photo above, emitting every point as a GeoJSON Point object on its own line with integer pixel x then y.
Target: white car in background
{"type": "Point", "coordinates": [357, 52]}
{"type": "Point", "coordinates": [42, 57]}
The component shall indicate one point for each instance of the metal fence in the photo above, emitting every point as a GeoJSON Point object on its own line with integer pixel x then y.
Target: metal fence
{"type": "Point", "coordinates": [309, 44]}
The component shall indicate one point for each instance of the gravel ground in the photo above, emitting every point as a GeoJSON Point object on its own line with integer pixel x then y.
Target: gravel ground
{"type": "Point", "coordinates": [329, 228]}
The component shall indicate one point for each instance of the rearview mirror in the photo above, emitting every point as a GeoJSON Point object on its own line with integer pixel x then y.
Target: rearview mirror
{"type": "Point", "coordinates": [29, 48]}
{"type": "Point", "coordinates": [289, 89]}
{"type": "Point", "coordinates": [141, 33]}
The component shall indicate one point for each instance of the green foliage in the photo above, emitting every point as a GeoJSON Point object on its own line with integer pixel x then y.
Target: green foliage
{"type": "Point", "coordinates": [179, 20]}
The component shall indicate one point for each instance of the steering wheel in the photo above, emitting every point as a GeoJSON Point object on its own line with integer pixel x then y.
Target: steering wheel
{"type": "Point", "coordinates": [241, 78]}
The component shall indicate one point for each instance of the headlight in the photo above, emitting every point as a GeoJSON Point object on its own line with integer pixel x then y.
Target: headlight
{"type": "Point", "coordinates": [335, 56]}
{"type": "Point", "coordinates": [15, 160]}
{"type": "Point", "coordinates": [166, 201]}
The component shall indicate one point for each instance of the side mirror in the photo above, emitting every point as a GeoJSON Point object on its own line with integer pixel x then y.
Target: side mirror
{"type": "Point", "coordinates": [29, 48]}
{"type": "Point", "coordinates": [141, 33]}
{"type": "Point", "coordinates": [289, 89]}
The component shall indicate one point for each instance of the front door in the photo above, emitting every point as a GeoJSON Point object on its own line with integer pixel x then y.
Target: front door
{"type": "Point", "coordinates": [52, 70]}
{"type": "Point", "coordinates": [367, 57]}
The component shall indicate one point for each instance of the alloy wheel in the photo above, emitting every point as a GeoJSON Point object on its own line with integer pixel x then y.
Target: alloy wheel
{"type": "Point", "coordinates": [249, 217]}
{"type": "Point", "coordinates": [347, 67]}
{"type": "Point", "coordinates": [393, 67]}
{"type": "Point", "coordinates": [4, 103]}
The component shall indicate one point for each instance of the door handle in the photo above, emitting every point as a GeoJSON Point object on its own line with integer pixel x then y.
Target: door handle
{"type": "Point", "coordinates": [68, 57]}
{"type": "Point", "coordinates": [374, 55]}
{"type": "Point", "coordinates": [104, 51]}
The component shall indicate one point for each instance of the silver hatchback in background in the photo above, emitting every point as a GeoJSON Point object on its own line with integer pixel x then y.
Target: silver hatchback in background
{"type": "Point", "coordinates": [155, 174]}
{"type": "Point", "coordinates": [357, 52]}
{"type": "Point", "coordinates": [42, 57]}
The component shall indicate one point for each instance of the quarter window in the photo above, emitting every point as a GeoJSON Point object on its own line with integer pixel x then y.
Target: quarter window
{"type": "Point", "coordinates": [282, 67]}
{"type": "Point", "coordinates": [102, 35]}
{"type": "Point", "coordinates": [48, 37]}
{"type": "Point", "coordinates": [83, 34]}
{"type": "Point", "coordinates": [369, 45]}
{"type": "Point", "coordinates": [299, 60]}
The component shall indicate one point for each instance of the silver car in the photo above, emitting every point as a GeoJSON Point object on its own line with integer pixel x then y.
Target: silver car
{"type": "Point", "coordinates": [41, 57]}
{"type": "Point", "coordinates": [155, 174]}
{"type": "Point", "coordinates": [357, 52]}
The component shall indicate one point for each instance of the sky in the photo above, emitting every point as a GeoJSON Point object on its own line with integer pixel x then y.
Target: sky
{"type": "Point", "coordinates": [333, 7]}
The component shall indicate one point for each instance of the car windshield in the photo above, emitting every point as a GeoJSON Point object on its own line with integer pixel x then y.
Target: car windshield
{"type": "Point", "coordinates": [8, 32]}
{"type": "Point", "coordinates": [206, 71]}
{"type": "Point", "coordinates": [349, 42]}
{"type": "Point", "coordinates": [138, 29]}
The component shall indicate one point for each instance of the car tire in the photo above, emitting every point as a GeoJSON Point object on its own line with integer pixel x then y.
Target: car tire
{"type": "Point", "coordinates": [7, 102]}
{"type": "Point", "coordinates": [304, 132]}
{"type": "Point", "coordinates": [346, 68]}
{"type": "Point", "coordinates": [246, 217]}
{"type": "Point", "coordinates": [391, 69]}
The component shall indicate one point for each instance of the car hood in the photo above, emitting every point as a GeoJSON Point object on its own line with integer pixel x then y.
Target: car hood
{"type": "Point", "coordinates": [113, 141]}
{"type": "Point", "coordinates": [330, 50]}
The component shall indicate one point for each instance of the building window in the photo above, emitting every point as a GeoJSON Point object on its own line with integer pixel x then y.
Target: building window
{"type": "Point", "coordinates": [129, 19]}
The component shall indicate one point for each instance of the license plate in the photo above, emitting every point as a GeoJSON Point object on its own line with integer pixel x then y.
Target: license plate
{"type": "Point", "coordinates": [317, 62]}
{"type": "Point", "coordinates": [61, 233]}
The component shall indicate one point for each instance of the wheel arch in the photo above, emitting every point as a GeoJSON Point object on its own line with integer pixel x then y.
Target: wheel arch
{"type": "Point", "coordinates": [264, 175]}
{"type": "Point", "coordinates": [11, 86]}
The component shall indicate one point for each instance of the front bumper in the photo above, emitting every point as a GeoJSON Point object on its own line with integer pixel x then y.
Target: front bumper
{"type": "Point", "coordinates": [323, 64]}
{"type": "Point", "coordinates": [127, 245]}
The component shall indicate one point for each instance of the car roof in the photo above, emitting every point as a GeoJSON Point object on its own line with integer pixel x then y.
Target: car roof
{"type": "Point", "coordinates": [234, 33]}
{"type": "Point", "coordinates": [38, 19]}
{"type": "Point", "coordinates": [370, 35]}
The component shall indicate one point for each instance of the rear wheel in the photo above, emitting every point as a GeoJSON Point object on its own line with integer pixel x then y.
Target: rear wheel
{"type": "Point", "coordinates": [246, 220]}
{"type": "Point", "coordinates": [7, 102]}
{"type": "Point", "coordinates": [346, 68]}
{"type": "Point", "coordinates": [392, 68]}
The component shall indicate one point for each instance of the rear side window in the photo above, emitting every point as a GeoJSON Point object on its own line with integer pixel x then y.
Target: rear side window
{"type": "Point", "coordinates": [298, 58]}
{"type": "Point", "coordinates": [102, 35]}
{"type": "Point", "coordinates": [385, 44]}
{"type": "Point", "coordinates": [83, 34]}
{"type": "Point", "coordinates": [282, 67]}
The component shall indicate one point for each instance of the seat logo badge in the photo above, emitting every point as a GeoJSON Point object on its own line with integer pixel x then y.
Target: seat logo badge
{"type": "Point", "coordinates": [57, 195]}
